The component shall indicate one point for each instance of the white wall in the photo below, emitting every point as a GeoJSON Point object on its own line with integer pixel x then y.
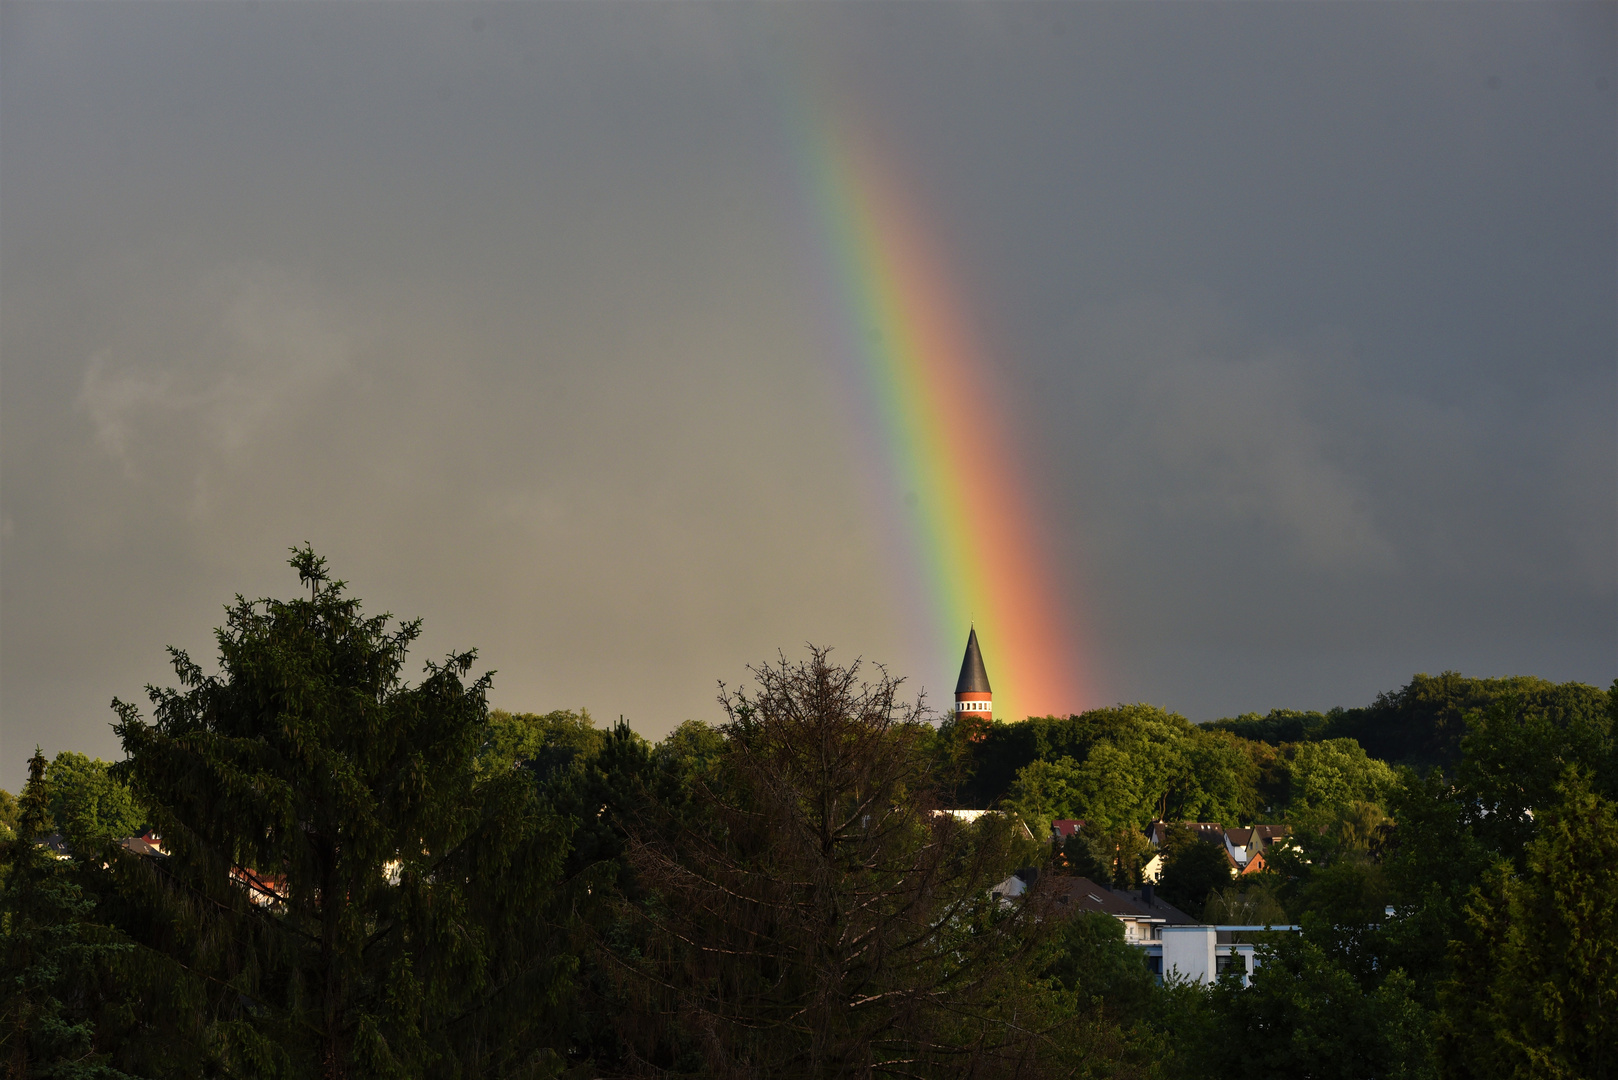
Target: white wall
{"type": "Point", "coordinates": [1188, 951]}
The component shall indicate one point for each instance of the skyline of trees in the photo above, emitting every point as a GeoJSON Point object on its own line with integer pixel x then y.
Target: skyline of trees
{"type": "Point", "coordinates": [369, 876]}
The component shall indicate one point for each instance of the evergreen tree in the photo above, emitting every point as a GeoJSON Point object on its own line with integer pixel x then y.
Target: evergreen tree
{"type": "Point", "coordinates": [1534, 991]}
{"type": "Point", "coordinates": [345, 892]}
{"type": "Point", "coordinates": [53, 955]}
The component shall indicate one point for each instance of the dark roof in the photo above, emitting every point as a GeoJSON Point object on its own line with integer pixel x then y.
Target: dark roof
{"type": "Point", "coordinates": [1157, 908]}
{"type": "Point", "coordinates": [1211, 831]}
{"type": "Point", "coordinates": [1082, 894]}
{"type": "Point", "coordinates": [139, 845]}
{"type": "Point", "coordinates": [974, 679]}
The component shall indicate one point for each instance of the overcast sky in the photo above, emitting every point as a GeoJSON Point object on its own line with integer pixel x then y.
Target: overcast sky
{"type": "Point", "coordinates": [1304, 314]}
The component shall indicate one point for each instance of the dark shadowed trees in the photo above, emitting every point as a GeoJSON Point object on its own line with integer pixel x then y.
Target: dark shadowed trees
{"type": "Point", "coordinates": [345, 893]}
{"type": "Point", "coordinates": [56, 957]}
{"type": "Point", "coordinates": [807, 913]}
{"type": "Point", "coordinates": [1192, 869]}
{"type": "Point", "coordinates": [1534, 987]}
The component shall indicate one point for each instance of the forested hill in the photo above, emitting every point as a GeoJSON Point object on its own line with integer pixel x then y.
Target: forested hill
{"type": "Point", "coordinates": [1422, 723]}
{"type": "Point", "coordinates": [1131, 763]}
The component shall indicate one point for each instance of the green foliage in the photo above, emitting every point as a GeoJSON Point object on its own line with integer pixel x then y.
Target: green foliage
{"type": "Point", "coordinates": [545, 743]}
{"type": "Point", "coordinates": [691, 752]}
{"type": "Point", "coordinates": [1192, 869]}
{"type": "Point", "coordinates": [1221, 779]}
{"type": "Point", "coordinates": [1003, 749]}
{"type": "Point", "coordinates": [1138, 763]}
{"type": "Point", "coordinates": [1305, 1016]}
{"type": "Point", "coordinates": [8, 814]}
{"type": "Point", "coordinates": [1516, 755]}
{"type": "Point", "coordinates": [1534, 991]}
{"type": "Point", "coordinates": [804, 913]}
{"type": "Point", "coordinates": [1328, 776]}
{"type": "Point", "coordinates": [1422, 724]}
{"type": "Point", "coordinates": [343, 880]}
{"type": "Point", "coordinates": [1088, 956]}
{"type": "Point", "coordinates": [54, 954]}
{"type": "Point", "coordinates": [1253, 900]}
{"type": "Point", "coordinates": [88, 804]}
{"type": "Point", "coordinates": [1107, 856]}
{"type": "Point", "coordinates": [1277, 726]}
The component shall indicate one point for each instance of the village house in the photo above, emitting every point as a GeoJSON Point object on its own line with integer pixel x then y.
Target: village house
{"type": "Point", "coordinates": [1175, 944]}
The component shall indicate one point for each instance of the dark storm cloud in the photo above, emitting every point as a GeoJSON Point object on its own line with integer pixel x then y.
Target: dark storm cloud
{"type": "Point", "coordinates": [1305, 314]}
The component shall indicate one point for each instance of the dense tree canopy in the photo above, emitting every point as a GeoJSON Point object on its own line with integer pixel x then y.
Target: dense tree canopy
{"type": "Point", "coordinates": [361, 875]}
{"type": "Point", "coordinates": [816, 916]}
{"type": "Point", "coordinates": [345, 892]}
{"type": "Point", "coordinates": [88, 804]}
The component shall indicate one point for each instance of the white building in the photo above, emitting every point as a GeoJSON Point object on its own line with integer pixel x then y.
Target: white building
{"type": "Point", "coordinates": [1176, 945]}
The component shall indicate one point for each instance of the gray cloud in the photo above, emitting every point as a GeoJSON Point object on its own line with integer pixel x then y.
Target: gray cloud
{"type": "Point", "coordinates": [516, 312]}
{"type": "Point", "coordinates": [253, 349]}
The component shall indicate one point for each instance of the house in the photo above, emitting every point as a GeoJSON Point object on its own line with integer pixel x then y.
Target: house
{"type": "Point", "coordinates": [1175, 944]}
{"type": "Point", "coordinates": [1265, 835]}
{"type": "Point", "coordinates": [1015, 885]}
{"type": "Point", "coordinates": [1241, 845]}
{"type": "Point", "coordinates": [146, 843]}
{"type": "Point", "coordinates": [1211, 831]}
{"type": "Point", "coordinates": [1062, 828]}
{"type": "Point", "coordinates": [263, 890]}
{"type": "Point", "coordinates": [55, 845]}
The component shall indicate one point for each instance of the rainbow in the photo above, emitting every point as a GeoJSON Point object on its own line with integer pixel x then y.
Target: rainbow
{"type": "Point", "coordinates": [974, 535]}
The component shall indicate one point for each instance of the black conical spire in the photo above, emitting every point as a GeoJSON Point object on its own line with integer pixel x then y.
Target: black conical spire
{"type": "Point", "coordinates": [974, 679]}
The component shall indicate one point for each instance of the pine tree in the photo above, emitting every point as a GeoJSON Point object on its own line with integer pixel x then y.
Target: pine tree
{"type": "Point", "coordinates": [345, 893]}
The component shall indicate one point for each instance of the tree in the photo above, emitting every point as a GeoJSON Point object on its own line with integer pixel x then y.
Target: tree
{"type": "Point", "coordinates": [1534, 990]}
{"type": "Point", "coordinates": [88, 804]}
{"type": "Point", "coordinates": [1425, 723]}
{"type": "Point", "coordinates": [1221, 782]}
{"type": "Point", "coordinates": [805, 913]}
{"type": "Point", "coordinates": [54, 955]}
{"type": "Point", "coordinates": [1253, 901]}
{"type": "Point", "coordinates": [1192, 868]}
{"type": "Point", "coordinates": [8, 814]}
{"type": "Point", "coordinates": [1089, 956]}
{"type": "Point", "coordinates": [346, 893]}
{"type": "Point", "coordinates": [546, 743]}
{"type": "Point", "coordinates": [1304, 1016]}
{"type": "Point", "coordinates": [1330, 775]}
{"type": "Point", "coordinates": [1106, 856]}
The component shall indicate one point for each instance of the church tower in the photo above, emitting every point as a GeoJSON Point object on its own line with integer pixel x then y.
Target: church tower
{"type": "Point", "coordinates": [972, 695]}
